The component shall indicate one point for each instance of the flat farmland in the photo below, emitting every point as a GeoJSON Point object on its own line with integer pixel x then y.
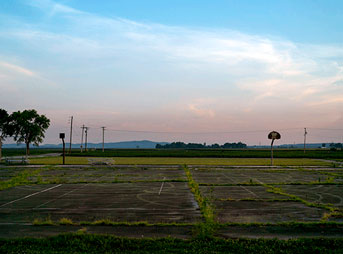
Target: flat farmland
{"type": "Point", "coordinates": [176, 200]}
{"type": "Point", "coordinates": [74, 160]}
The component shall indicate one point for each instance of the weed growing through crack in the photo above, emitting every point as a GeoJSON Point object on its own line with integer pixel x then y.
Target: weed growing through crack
{"type": "Point", "coordinates": [24, 177]}
{"type": "Point", "coordinates": [207, 228]}
{"type": "Point", "coordinates": [333, 210]}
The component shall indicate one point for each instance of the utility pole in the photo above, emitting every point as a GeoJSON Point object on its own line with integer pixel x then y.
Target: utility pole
{"type": "Point", "coordinates": [83, 127]}
{"type": "Point", "coordinates": [305, 133]}
{"type": "Point", "coordinates": [103, 139]}
{"type": "Point", "coordinates": [86, 132]}
{"type": "Point", "coordinates": [71, 133]}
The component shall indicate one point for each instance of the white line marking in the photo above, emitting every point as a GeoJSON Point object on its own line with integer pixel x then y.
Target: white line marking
{"type": "Point", "coordinates": [33, 194]}
{"type": "Point", "coordinates": [52, 200]}
{"type": "Point", "coordinates": [252, 193]}
{"type": "Point", "coordinates": [159, 193]}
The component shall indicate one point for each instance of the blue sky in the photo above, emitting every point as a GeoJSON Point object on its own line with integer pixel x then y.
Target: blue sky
{"type": "Point", "coordinates": [232, 69]}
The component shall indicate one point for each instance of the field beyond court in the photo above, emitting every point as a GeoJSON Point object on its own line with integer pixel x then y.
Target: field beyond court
{"type": "Point", "coordinates": [70, 160]}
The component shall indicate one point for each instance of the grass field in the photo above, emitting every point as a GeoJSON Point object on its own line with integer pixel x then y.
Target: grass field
{"type": "Point", "coordinates": [184, 161]}
{"type": "Point", "coordinates": [21, 152]}
{"type": "Point", "coordinates": [215, 153]}
{"type": "Point", "coordinates": [203, 153]}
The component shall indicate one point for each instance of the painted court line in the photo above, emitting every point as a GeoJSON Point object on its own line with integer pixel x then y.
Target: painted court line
{"type": "Point", "coordinates": [159, 193]}
{"type": "Point", "coordinates": [33, 194]}
{"type": "Point", "coordinates": [52, 200]}
{"type": "Point", "coordinates": [252, 193]}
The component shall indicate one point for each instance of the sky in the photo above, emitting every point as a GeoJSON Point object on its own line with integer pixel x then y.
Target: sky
{"type": "Point", "coordinates": [194, 71]}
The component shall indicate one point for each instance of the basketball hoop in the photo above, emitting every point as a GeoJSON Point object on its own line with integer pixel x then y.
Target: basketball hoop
{"type": "Point", "coordinates": [273, 135]}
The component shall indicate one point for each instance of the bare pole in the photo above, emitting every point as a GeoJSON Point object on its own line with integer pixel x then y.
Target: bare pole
{"type": "Point", "coordinates": [64, 153]}
{"type": "Point", "coordinates": [86, 132]}
{"type": "Point", "coordinates": [83, 127]}
{"type": "Point", "coordinates": [305, 133]}
{"type": "Point", "coordinates": [272, 152]}
{"type": "Point", "coordinates": [71, 133]}
{"type": "Point", "coordinates": [103, 139]}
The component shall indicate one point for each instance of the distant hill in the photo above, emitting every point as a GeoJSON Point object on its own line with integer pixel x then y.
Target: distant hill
{"type": "Point", "coordinates": [124, 144]}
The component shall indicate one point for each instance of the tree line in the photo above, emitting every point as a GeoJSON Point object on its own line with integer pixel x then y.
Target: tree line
{"type": "Point", "coordinates": [25, 127]}
{"type": "Point", "coordinates": [196, 145]}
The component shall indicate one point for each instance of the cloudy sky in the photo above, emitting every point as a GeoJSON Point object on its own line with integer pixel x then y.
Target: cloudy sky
{"type": "Point", "coordinates": [174, 70]}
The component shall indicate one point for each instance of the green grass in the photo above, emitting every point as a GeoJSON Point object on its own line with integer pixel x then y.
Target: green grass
{"type": "Point", "coordinates": [22, 151]}
{"type": "Point", "coordinates": [21, 179]}
{"type": "Point", "coordinates": [329, 207]}
{"type": "Point", "coordinates": [59, 160]}
{"type": "Point", "coordinates": [43, 222]}
{"type": "Point", "coordinates": [207, 228]}
{"type": "Point", "coordinates": [87, 243]}
{"type": "Point", "coordinates": [215, 153]}
{"type": "Point", "coordinates": [187, 161]}
{"type": "Point", "coordinates": [102, 222]}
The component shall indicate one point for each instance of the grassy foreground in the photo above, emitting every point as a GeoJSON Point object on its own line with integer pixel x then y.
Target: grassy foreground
{"type": "Point", "coordinates": [189, 161]}
{"type": "Point", "coordinates": [86, 243]}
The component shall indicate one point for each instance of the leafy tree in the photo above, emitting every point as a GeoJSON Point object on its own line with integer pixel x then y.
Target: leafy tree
{"type": "Point", "coordinates": [182, 145]}
{"type": "Point", "coordinates": [5, 129]}
{"type": "Point", "coordinates": [29, 127]}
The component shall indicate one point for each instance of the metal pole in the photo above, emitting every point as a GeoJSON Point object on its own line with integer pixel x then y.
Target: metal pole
{"type": "Point", "coordinates": [103, 139]}
{"type": "Point", "coordinates": [305, 133]}
{"type": "Point", "coordinates": [64, 154]}
{"type": "Point", "coordinates": [271, 146]}
{"type": "Point", "coordinates": [71, 133]}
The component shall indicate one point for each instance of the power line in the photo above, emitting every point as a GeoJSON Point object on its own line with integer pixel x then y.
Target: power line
{"type": "Point", "coordinates": [182, 132]}
{"type": "Point", "coordinates": [327, 129]}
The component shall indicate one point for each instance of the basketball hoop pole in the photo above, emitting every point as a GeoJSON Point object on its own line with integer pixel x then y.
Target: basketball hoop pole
{"type": "Point", "coordinates": [62, 136]}
{"type": "Point", "coordinates": [271, 146]}
{"type": "Point", "coordinates": [273, 135]}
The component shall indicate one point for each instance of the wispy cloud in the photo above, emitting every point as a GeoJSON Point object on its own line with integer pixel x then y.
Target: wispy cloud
{"type": "Point", "coordinates": [17, 69]}
{"type": "Point", "coordinates": [156, 68]}
{"type": "Point", "coordinates": [201, 110]}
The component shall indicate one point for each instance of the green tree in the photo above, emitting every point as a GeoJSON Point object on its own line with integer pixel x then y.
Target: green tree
{"type": "Point", "coordinates": [5, 129]}
{"type": "Point", "coordinates": [29, 127]}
